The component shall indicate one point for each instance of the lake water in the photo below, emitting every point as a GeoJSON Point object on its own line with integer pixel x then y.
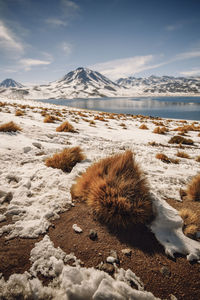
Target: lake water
{"type": "Point", "coordinates": [165, 107]}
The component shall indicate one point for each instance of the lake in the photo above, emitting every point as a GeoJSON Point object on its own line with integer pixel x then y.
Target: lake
{"type": "Point", "coordinates": [165, 107]}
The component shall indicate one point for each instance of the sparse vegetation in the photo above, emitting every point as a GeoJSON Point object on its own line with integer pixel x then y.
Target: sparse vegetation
{"type": "Point", "coordinates": [66, 159]}
{"type": "Point", "coordinates": [193, 189]}
{"type": "Point", "coordinates": [10, 127]}
{"type": "Point", "coordinates": [182, 154]}
{"type": "Point", "coordinates": [190, 220]}
{"type": "Point", "coordinates": [177, 139]}
{"type": "Point", "coordinates": [65, 127]}
{"type": "Point", "coordinates": [49, 119]}
{"type": "Point", "coordinates": [160, 130]}
{"type": "Point", "coordinates": [198, 158]}
{"type": "Point", "coordinates": [116, 190]}
{"type": "Point", "coordinates": [19, 113]}
{"type": "Point", "coordinates": [164, 158]}
{"type": "Point", "coordinates": [143, 126]}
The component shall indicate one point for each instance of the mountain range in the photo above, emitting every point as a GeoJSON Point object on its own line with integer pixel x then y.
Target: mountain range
{"type": "Point", "coordinates": [85, 83]}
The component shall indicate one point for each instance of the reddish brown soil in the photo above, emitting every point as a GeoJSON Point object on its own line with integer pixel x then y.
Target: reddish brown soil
{"type": "Point", "coordinates": [147, 258]}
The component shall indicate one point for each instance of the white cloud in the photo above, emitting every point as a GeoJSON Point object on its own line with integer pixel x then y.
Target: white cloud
{"type": "Point", "coordinates": [194, 72]}
{"type": "Point", "coordinates": [126, 66]}
{"type": "Point", "coordinates": [70, 6]}
{"type": "Point", "coordinates": [56, 22]}
{"type": "Point", "coordinates": [188, 55]}
{"type": "Point", "coordinates": [173, 27]}
{"type": "Point", "coordinates": [66, 48]}
{"type": "Point", "coordinates": [28, 63]}
{"type": "Point", "coordinates": [8, 41]}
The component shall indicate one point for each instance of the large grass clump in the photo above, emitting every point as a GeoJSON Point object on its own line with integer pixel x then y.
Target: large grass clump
{"type": "Point", "coordinates": [66, 159]}
{"type": "Point", "coordinates": [65, 127]}
{"type": "Point", "coordinates": [10, 127]}
{"type": "Point", "coordinates": [116, 190]}
{"type": "Point", "coordinates": [177, 139]}
{"type": "Point", "coordinates": [193, 189]}
{"type": "Point", "coordinates": [190, 220]}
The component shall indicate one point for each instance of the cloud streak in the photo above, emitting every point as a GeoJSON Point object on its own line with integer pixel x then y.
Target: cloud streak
{"type": "Point", "coordinates": [28, 63]}
{"type": "Point", "coordinates": [55, 22]}
{"type": "Point", "coordinates": [8, 41]}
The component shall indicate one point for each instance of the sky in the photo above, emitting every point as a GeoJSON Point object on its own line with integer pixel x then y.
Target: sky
{"type": "Point", "coordinates": [42, 40]}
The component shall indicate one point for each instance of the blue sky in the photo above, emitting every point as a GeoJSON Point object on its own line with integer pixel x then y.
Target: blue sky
{"type": "Point", "coordinates": [42, 40]}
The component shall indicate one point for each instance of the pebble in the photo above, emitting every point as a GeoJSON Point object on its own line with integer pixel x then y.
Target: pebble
{"type": "Point", "coordinates": [127, 251]}
{"type": "Point", "coordinates": [165, 271]}
{"type": "Point", "coordinates": [111, 260]}
{"type": "Point", "coordinates": [37, 145]}
{"type": "Point", "coordinates": [6, 197]}
{"type": "Point", "coordinates": [76, 228]}
{"type": "Point", "coordinates": [26, 149]}
{"type": "Point", "coordinates": [93, 234]}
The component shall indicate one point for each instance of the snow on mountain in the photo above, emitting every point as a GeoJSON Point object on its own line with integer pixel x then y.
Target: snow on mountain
{"type": "Point", "coordinates": [163, 84]}
{"type": "Point", "coordinates": [85, 83]}
{"type": "Point", "coordinates": [7, 83]}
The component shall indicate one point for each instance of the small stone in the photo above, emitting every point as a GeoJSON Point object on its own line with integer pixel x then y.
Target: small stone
{"type": "Point", "coordinates": [106, 268]}
{"type": "Point", "coordinates": [77, 229]}
{"type": "Point", "coordinates": [37, 145]}
{"type": "Point", "coordinates": [172, 297]}
{"type": "Point", "coordinates": [26, 149]}
{"type": "Point", "coordinates": [111, 260]}
{"type": "Point", "coordinates": [5, 197]}
{"type": "Point", "coordinates": [93, 234]}
{"type": "Point", "coordinates": [113, 253]}
{"type": "Point", "coordinates": [127, 251]}
{"type": "Point", "coordinates": [165, 271]}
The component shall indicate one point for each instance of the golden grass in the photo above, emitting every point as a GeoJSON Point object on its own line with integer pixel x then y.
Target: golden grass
{"type": "Point", "coordinates": [193, 189]}
{"type": "Point", "coordinates": [65, 127]}
{"type": "Point", "coordinates": [66, 159]}
{"type": "Point", "coordinates": [163, 157]}
{"type": "Point", "coordinates": [177, 139]}
{"type": "Point", "coordinates": [160, 130]}
{"type": "Point", "coordinates": [182, 154]}
{"type": "Point", "coordinates": [10, 127]}
{"type": "Point", "coordinates": [99, 118]}
{"type": "Point", "coordinates": [116, 190]}
{"type": "Point", "coordinates": [143, 126]}
{"type": "Point", "coordinates": [19, 113]}
{"type": "Point", "coordinates": [49, 119]}
{"type": "Point", "coordinates": [187, 128]}
{"type": "Point", "coordinates": [190, 220]}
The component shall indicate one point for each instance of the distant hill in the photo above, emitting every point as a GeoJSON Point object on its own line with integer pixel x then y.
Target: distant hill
{"type": "Point", "coordinates": [7, 83]}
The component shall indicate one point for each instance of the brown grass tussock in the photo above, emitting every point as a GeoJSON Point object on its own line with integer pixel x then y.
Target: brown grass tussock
{"type": "Point", "coordinates": [65, 127]}
{"type": "Point", "coordinates": [10, 127]}
{"type": "Point", "coordinates": [116, 190]}
{"type": "Point", "coordinates": [66, 159]}
{"type": "Point", "coordinates": [193, 189]}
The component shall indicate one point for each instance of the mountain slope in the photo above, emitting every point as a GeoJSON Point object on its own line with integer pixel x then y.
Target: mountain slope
{"type": "Point", "coordinates": [164, 84]}
{"type": "Point", "coordinates": [7, 83]}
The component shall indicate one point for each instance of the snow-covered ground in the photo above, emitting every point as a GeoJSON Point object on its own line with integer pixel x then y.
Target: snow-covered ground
{"type": "Point", "coordinates": [40, 193]}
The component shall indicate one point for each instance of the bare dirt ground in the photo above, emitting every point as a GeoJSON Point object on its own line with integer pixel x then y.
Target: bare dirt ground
{"type": "Point", "coordinates": [160, 274]}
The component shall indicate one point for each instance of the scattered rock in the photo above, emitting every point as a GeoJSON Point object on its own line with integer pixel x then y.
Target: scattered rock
{"type": "Point", "coordinates": [127, 251]}
{"type": "Point", "coordinates": [165, 271]}
{"type": "Point", "coordinates": [5, 197]}
{"type": "Point", "coordinates": [172, 297]}
{"type": "Point", "coordinates": [2, 218]}
{"type": "Point", "coordinates": [112, 260]}
{"type": "Point", "coordinates": [27, 149]}
{"type": "Point", "coordinates": [37, 145]}
{"type": "Point", "coordinates": [113, 253]}
{"type": "Point", "coordinates": [27, 184]}
{"type": "Point", "coordinates": [40, 153]}
{"type": "Point", "coordinates": [13, 178]}
{"type": "Point", "coordinates": [93, 234]}
{"type": "Point", "coordinates": [77, 229]}
{"type": "Point", "coordinates": [109, 268]}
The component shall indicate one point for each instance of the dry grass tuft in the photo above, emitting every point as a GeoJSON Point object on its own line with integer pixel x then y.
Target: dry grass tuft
{"type": "Point", "coordinates": [143, 126]}
{"type": "Point", "coordinates": [10, 127]}
{"type": "Point", "coordinates": [66, 159]}
{"type": "Point", "coordinates": [177, 139]}
{"type": "Point", "coordinates": [160, 130]}
{"type": "Point", "coordinates": [198, 158]}
{"type": "Point", "coordinates": [49, 119]}
{"type": "Point", "coordinates": [182, 154]}
{"type": "Point", "coordinates": [193, 189]}
{"type": "Point", "coordinates": [19, 113]}
{"type": "Point", "coordinates": [116, 190]}
{"type": "Point", "coordinates": [190, 219]}
{"type": "Point", "coordinates": [163, 158]}
{"type": "Point", "coordinates": [99, 118]}
{"type": "Point", "coordinates": [66, 127]}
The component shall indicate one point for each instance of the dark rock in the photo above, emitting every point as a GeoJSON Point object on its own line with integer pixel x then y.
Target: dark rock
{"type": "Point", "coordinates": [93, 234]}
{"type": "Point", "coordinates": [37, 145]}
{"type": "Point", "coordinates": [5, 197]}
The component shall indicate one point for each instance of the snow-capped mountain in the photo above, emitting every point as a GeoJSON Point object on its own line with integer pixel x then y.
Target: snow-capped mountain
{"type": "Point", "coordinates": [85, 83]}
{"type": "Point", "coordinates": [7, 83]}
{"type": "Point", "coordinates": [164, 84]}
